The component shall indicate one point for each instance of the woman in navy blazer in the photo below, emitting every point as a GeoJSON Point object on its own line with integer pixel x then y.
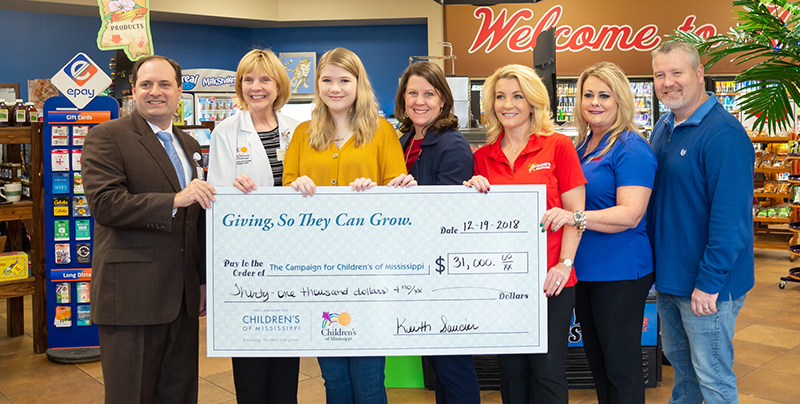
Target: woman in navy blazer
{"type": "Point", "coordinates": [436, 153]}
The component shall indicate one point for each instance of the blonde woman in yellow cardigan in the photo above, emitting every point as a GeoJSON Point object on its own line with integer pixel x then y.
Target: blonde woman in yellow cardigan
{"type": "Point", "coordinates": [346, 143]}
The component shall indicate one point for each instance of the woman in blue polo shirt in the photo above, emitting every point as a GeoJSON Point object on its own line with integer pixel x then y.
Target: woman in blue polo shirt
{"type": "Point", "coordinates": [614, 262]}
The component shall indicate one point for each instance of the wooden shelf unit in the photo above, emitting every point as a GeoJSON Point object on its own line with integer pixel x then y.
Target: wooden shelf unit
{"type": "Point", "coordinates": [772, 233]}
{"type": "Point", "coordinates": [31, 211]}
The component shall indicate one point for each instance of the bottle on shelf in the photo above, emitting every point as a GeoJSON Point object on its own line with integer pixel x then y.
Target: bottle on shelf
{"type": "Point", "coordinates": [17, 113]}
{"type": "Point", "coordinates": [32, 113]}
{"type": "Point", "coordinates": [4, 115]}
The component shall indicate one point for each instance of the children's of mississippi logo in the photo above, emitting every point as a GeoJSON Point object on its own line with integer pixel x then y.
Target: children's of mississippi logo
{"type": "Point", "coordinates": [329, 319]}
{"type": "Point", "coordinates": [332, 333]}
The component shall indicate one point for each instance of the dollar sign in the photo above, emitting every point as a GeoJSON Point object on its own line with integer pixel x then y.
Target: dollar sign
{"type": "Point", "coordinates": [439, 262]}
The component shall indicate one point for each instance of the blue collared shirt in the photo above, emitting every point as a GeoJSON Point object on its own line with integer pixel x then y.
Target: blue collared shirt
{"type": "Point", "coordinates": [615, 256]}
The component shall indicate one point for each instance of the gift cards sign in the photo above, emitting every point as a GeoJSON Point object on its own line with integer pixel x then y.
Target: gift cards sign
{"type": "Point", "coordinates": [81, 80]}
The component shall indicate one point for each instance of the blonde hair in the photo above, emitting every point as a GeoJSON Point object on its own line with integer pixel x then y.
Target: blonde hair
{"type": "Point", "coordinates": [363, 117]}
{"type": "Point", "coordinates": [614, 78]}
{"type": "Point", "coordinates": [258, 60]}
{"type": "Point", "coordinates": [541, 118]}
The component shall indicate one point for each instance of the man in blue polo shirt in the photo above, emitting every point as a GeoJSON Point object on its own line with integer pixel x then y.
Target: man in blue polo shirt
{"type": "Point", "coordinates": [700, 224]}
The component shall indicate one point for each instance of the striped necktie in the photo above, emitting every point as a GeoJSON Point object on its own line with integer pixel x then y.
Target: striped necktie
{"type": "Point", "coordinates": [173, 156]}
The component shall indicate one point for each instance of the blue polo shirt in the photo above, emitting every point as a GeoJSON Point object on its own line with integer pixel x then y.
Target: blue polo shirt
{"type": "Point", "coordinates": [615, 256]}
{"type": "Point", "coordinates": [700, 216]}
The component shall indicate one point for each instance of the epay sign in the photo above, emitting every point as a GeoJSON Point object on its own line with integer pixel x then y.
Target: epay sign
{"type": "Point", "coordinates": [81, 80]}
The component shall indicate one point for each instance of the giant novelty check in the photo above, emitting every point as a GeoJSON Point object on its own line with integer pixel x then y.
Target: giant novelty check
{"type": "Point", "coordinates": [432, 270]}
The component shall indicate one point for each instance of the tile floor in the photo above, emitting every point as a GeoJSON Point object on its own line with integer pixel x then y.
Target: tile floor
{"type": "Point", "coordinates": [767, 361]}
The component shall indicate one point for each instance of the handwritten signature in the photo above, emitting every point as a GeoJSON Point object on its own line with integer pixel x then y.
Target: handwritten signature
{"type": "Point", "coordinates": [425, 327]}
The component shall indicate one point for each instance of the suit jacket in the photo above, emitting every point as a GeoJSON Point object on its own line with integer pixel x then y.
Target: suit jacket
{"type": "Point", "coordinates": [445, 158]}
{"type": "Point", "coordinates": [145, 261]}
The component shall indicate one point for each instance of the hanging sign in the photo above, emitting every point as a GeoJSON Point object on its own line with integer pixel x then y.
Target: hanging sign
{"type": "Point", "coordinates": [487, 37]}
{"type": "Point", "coordinates": [126, 26]}
{"type": "Point", "coordinates": [81, 80]}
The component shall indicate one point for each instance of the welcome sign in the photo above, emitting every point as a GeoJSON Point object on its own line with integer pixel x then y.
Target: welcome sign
{"type": "Point", "coordinates": [624, 32]}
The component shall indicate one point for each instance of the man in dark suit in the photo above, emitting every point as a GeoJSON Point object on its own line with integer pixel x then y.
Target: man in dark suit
{"type": "Point", "coordinates": [148, 286]}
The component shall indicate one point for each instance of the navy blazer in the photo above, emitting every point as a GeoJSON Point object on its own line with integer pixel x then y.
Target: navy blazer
{"type": "Point", "coordinates": [445, 158]}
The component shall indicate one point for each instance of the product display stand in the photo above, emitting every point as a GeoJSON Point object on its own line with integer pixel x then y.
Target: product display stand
{"type": "Point", "coordinates": [28, 210]}
{"type": "Point", "coordinates": [772, 232]}
{"type": "Point", "coordinates": [69, 228]}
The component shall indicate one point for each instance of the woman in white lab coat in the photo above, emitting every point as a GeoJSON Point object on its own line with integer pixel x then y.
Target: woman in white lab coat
{"type": "Point", "coordinates": [247, 151]}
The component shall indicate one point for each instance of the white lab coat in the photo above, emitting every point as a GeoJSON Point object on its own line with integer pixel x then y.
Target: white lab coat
{"type": "Point", "coordinates": [236, 149]}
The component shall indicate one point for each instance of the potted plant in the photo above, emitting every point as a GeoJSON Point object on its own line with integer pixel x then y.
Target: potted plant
{"type": "Point", "coordinates": [767, 34]}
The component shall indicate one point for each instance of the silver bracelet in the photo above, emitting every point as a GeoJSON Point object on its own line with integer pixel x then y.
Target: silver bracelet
{"type": "Point", "coordinates": [580, 221]}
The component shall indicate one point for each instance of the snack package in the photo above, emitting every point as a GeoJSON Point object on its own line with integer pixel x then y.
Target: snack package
{"type": "Point", "coordinates": [784, 211]}
{"type": "Point", "coordinates": [766, 160]}
{"type": "Point", "coordinates": [769, 187]}
{"type": "Point", "coordinates": [784, 188]}
{"type": "Point", "coordinates": [796, 193]}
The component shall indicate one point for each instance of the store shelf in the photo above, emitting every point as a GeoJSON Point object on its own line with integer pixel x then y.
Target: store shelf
{"type": "Point", "coordinates": [772, 220]}
{"type": "Point", "coordinates": [774, 170]}
{"type": "Point", "coordinates": [21, 287]}
{"type": "Point", "coordinates": [769, 195]}
{"type": "Point", "coordinates": [13, 213]}
{"type": "Point", "coordinates": [772, 241]}
{"type": "Point", "coordinates": [15, 135]}
{"type": "Point", "coordinates": [21, 210]}
{"type": "Point", "coordinates": [773, 233]}
{"type": "Point", "coordinates": [770, 139]}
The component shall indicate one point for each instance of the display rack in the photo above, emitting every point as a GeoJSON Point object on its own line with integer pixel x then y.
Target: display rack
{"type": "Point", "coordinates": [774, 233]}
{"type": "Point", "coordinates": [14, 214]}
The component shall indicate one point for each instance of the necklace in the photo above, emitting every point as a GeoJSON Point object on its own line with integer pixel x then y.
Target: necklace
{"type": "Point", "coordinates": [343, 137]}
{"type": "Point", "coordinates": [515, 149]}
{"type": "Point", "coordinates": [410, 146]}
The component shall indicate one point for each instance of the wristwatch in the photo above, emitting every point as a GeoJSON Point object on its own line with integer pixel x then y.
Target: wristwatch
{"type": "Point", "coordinates": [580, 221]}
{"type": "Point", "coordinates": [567, 262]}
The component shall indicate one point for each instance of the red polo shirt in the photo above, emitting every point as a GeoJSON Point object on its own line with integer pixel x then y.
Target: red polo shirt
{"type": "Point", "coordinates": [549, 160]}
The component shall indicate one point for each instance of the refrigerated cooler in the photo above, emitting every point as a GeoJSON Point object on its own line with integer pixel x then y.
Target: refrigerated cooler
{"type": "Point", "coordinates": [643, 115]}
{"type": "Point", "coordinates": [566, 97]}
{"type": "Point", "coordinates": [208, 95]}
{"type": "Point", "coordinates": [729, 93]}
{"type": "Point", "coordinates": [215, 106]}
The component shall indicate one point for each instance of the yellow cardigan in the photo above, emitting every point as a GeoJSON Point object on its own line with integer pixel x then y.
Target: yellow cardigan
{"type": "Point", "coordinates": [380, 160]}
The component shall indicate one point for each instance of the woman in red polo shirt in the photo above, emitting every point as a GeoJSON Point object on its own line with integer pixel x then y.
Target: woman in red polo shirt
{"type": "Point", "coordinates": [523, 148]}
